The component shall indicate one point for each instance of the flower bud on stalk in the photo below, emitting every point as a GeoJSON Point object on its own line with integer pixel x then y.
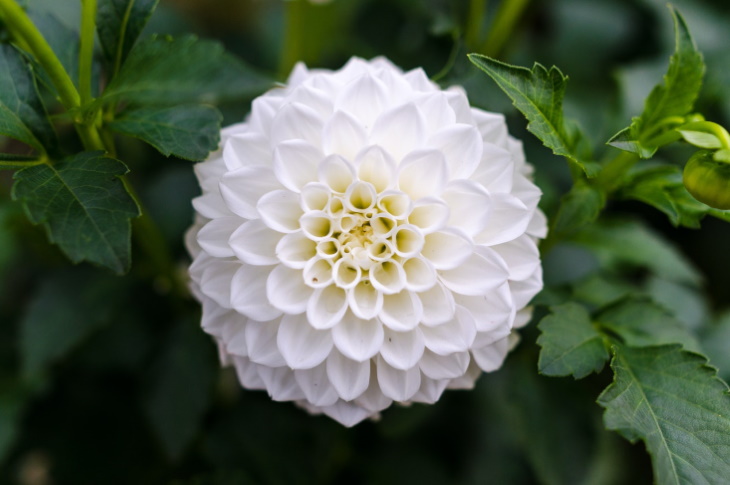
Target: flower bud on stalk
{"type": "Point", "coordinates": [707, 177]}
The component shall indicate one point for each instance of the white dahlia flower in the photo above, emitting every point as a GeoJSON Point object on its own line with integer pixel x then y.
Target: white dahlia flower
{"type": "Point", "coordinates": [365, 237]}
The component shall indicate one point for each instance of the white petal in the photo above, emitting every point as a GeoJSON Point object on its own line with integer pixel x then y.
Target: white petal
{"type": "Point", "coordinates": [418, 79]}
{"type": "Point", "coordinates": [394, 203]}
{"type": "Point", "coordinates": [481, 272]}
{"type": "Point", "coordinates": [496, 170]}
{"type": "Point", "coordinates": [492, 311]}
{"type": "Point", "coordinates": [538, 225]}
{"type": "Point", "coordinates": [242, 189]}
{"type": "Point", "coordinates": [436, 111]}
{"type": "Point", "coordinates": [523, 317]}
{"type": "Point", "coordinates": [401, 311]}
{"type": "Point", "coordinates": [280, 210]}
{"type": "Point", "coordinates": [345, 413]}
{"type": "Point", "coordinates": [296, 121]}
{"type": "Point", "coordinates": [399, 130]}
{"type": "Point", "coordinates": [429, 214]}
{"type": "Point", "coordinates": [521, 255]}
{"type": "Point", "coordinates": [438, 305]}
{"type": "Point", "coordinates": [358, 339]}
{"type": "Point", "coordinates": [261, 343]}
{"type": "Point", "coordinates": [295, 163]}
{"type": "Point", "coordinates": [336, 172]}
{"type": "Point", "coordinates": [449, 366]}
{"type": "Point", "coordinates": [318, 272]}
{"type": "Point", "coordinates": [281, 384]}
{"type": "Point", "coordinates": [523, 291]}
{"type": "Point", "coordinates": [456, 97]}
{"type": "Point", "coordinates": [348, 377]}
{"type": "Point", "coordinates": [446, 249]}
{"type": "Point", "coordinates": [508, 220]}
{"type": "Point", "coordinates": [456, 335]}
{"type": "Point", "coordinates": [420, 274]}
{"type": "Point", "coordinates": [492, 126]}
{"type": "Point", "coordinates": [343, 135]}
{"type": "Point", "coordinates": [317, 99]}
{"type": "Point", "coordinates": [286, 290]}
{"type": "Point", "coordinates": [254, 243]}
{"type": "Point", "coordinates": [315, 196]}
{"type": "Point", "coordinates": [211, 206]}
{"type": "Point", "coordinates": [470, 205]}
{"type": "Point", "coordinates": [373, 398]}
{"type": "Point", "coordinates": [423, 173]}
{"type": "Point", "coordinates": [468, 379]}
{"type": "Point", "coordinates": [248, 374]}
{"type": "Point", "coordinates": [216, 281]}
{"type": "Point", "coordinates": [246, 150]}
{"type": "Point", "coordinates": [399, 385]}
{"type": "Point", "coordinates": [248, 293]}
{"type": "Point", "coordinates": [402, 350]}
{"type": "Point", "coordinates": [326, 307]}
{"type": "Point", "coordinates": [234, 335]}
{"type": "Point", "coordinates": [365, 301]}
{"type": "Point", "coordinates": [430, 390]}
{"type": "Point", "coordinates": [364, 99]}
{"type": "Point", "coordinates": [491, 357]}
{"type": "Point", "coordinates": [388, 277]}
{"type": "Point", "coordinates": [316, 385]}
{"type": "Point", "coordinates": [317, 225]}
{"type": "Point", "coordinates": [295, 249]}
{"type": "Point", "coordinates": [302, 346]}
{"type": "Point", "coordinates": [213, 237]}
{"type": "Point", "coordinates": [462, 145]}
{"type": "Point", "coordinates": [407, 240]}
{"type": "Point", "coordinates": [375, 166]}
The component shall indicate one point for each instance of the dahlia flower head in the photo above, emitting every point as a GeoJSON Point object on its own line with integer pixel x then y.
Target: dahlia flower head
{"type": "Point", "coordinates": [365, 237]}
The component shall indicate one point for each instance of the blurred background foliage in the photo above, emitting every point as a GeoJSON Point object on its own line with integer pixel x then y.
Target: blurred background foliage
{"type": "Point", "coordinates": [108, 380]}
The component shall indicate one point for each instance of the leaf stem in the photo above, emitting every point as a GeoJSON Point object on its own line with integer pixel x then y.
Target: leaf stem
{"type": "Point", "coordinates": [503, 25]}
{"type": "Point", "coordinates": [293, 47]}
{"type": "Point", "coordinates": [611, 175]}
{"type": "Point", "coordinates": [20, 164]}
{"type": "Point", "coordinates": [86, 51]}
{"type": "Point", "coordinates": [474, 23]}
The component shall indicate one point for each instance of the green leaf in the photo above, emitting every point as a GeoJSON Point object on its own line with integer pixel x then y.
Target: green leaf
{"type": "Point", "coordinates": [22, 114]}
{"type": "Point", "coordinates": [189, 132]}
{"type": "Point", "coordinates": [701, 139]}
{"type": "Point", "coordinates": [579, 207]}
{"type": "Point", "coordinates": [661, 187]}
{"type": "Point", "coordinates": [631, 243]}
{"type": "Point", "coordinates": [63, 40]}
{"type": "Point", "coordinates": [119, 23]}
{"type": "Point", "coordinates": [83, 205]}
{"type": "Point", "coordinates": [65, 310]}
{"type": "Point", "coordinates": [180, 386]}
{"type": "Point", "coordinates": [164, 71]}
{"type": "Point", "coordinates": [674, 97]}
{"type": "Point", "coordinates": [570, 343]}
{"type": "Point", "coordinates": [538, 94]}
{"type": "Point", "coordinates": [673, 401]}
{"type": "Point", "coordinates": [715, 341]}
{"type": "Point", "coordinates": [641, 323]}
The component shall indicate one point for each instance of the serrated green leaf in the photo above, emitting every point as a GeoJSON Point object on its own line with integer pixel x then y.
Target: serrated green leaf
{"type": "Point", "coordinates": [641, 323]}
{"type": "Point", "coordinates": [83, 205]}
{"type": "Point", "coordinates": [661, 187]}
{"type": "Point", "coordinates": [180, 387]}
{"type": "Point", "coordinates": [579, 207]}
{"type": "Point", "coordinates": [65, 310]}
{"type": "Point", "coordinates": [538, 94]}
{"type": "Point", "coordinates": [119, 23]}
{"type": "Point", "coordinates": [166, 71]}
{"type": "Point", "coordinates": [631, 243]}
{"type": "Point", "coordinates": [675, 96]}
{"type": "Point", "coordinates": [570, 344]}
{"type": "Point", "coordinates": [22, 114]}
{"type": "Point", "coordinates": [189, 132]}
{"type": "Point", "coordinates": [674, 402]}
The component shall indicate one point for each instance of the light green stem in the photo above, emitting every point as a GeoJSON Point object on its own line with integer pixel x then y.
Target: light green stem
{"type": "Point", "coordinates": [20, 164]}
{"type": "Point", "coordinates": [86, 51]}
{"type": "Point", "coordinates": [293, 47]}
{"type": "Point", "coordinates": [474, 23]}
{"type": "Point", "coordinates": [611, 175]}
{"type": "Point", "coordinates": [504, 23]}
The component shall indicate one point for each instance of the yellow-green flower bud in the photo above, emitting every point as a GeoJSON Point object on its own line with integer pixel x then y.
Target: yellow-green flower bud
{"type": "Point", "coordinates": [708, 180]}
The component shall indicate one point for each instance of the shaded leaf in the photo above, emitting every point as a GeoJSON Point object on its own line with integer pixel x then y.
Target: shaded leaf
{"type": "Point", "coordinates": [84, 206]}
{"type": "Point", "coordinates": [12, 402]}
{"type": "Point", "coordinates": [641, 323]}
{"type": "Point", "coordinates": [63, 40]}
{"type": "Point", "coordinates": [180, 387]}
{"type": "Point", "coordinates": [673, 401]}
{"type": "Point", "coordinates": [163, 70]}
{"type": "Point", "coordinates": [715, 342]}
{"type": "Point", "coordinates": [570, 343]}
{"type": "Point", "coordinates": [661, 187]}
{"type": "Point", "coordinates": [22, 114]}
{"type": "Point", "coordinates": [538, 94]}
{"type": "Point", "coordinates": [119, 23]}
{"type": "Point", "coordinates": [674, 97]}
{"type": "Point", "coordinates": [65, 310]}
{"type": "Point", "coordinates": [626, 242]}
{"type": "Point", "coordinates": [189, 132]}
{"type": "Point", "coordinates": [579, 207]}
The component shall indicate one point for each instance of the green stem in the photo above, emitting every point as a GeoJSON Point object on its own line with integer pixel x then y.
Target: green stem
{"type": "Point", "coordinates": [86, 51]}
{"type": "Point", "coordinates": [474, 23]}
{"type": "Point", "coordinates": [293, 48]}
{"type": "Point", "coordinates": [20, 25]}
{"type": "Point", "coordinates": [611, 175]}
{"type": "Point", "coordinates": [20, 164]}
{"type": "Point", "coordinates": [503, 25]}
